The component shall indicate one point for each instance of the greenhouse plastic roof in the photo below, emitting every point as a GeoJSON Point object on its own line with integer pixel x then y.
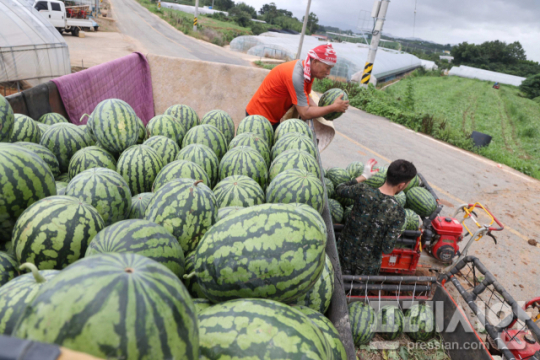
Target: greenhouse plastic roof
{"type": "Point", "coordinates": [474, 73]}
{"type": "Point", "coordinates": [31, 48]}
{"type": "Point", "coordinates": [351, 57]}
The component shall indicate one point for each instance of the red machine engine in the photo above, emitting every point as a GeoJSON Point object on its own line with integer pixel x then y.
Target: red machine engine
{"type": "Point", "coordinates": [521, 343]}
{"type": "Point", "coordinates": [447, 233]}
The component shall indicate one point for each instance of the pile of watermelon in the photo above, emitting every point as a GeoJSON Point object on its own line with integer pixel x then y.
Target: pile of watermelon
{"type": "Point", "coordinates": [156, 242]}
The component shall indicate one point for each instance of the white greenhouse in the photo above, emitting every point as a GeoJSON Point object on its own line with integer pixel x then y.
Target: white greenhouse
{"type": "Point", "coordinates": [31, 49]}
{"type": "Point", "coordinates": [474, 73]}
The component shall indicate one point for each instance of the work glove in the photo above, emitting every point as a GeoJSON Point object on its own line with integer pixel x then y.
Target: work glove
{"type": "Point", "coordinates": [368, 169]}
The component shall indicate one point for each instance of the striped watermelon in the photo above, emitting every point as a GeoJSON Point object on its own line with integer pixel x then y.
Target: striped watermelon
{"type": "Point", "coordinates": [25, 179]}
{"type": "Point", "coordinates": [222, 121]}
{"type": "Point", "coordinates": [347, 213]}
{"type": "Point", "coordinates": [413, 183]}
{"type": "Point", "coordinates": [377, 180]}
{"type": "Point", "coordinates": [141, 237]}
{"type": "Point", "coordinates": [401, 198]}
{"type": "Point", "coordinates": [234, 262]}
{"type": "Point", "coordinates": [8, 267]}
{"type": "Point", "coordinates": [310, 211]}
{"type": "Point", "coordinates": [55, 232]}
{"type": "Point", "coordinates": [201, 304]}
{"type": "Point", "coordinates": [329, 331]}
{"type": "Point", "coordinates": [180, 169]}
{"type": "Point", "coordinates": [64, 140]}
{"type": "Point", "coordinates": [238, 190]}
{"type": "Point", "coordinates": [419, 322]}
{"type": "Point", "coordinates": [390, 321]}
{"type": "Point", "coordinates": [42, 127]}
{"type": "Point", "coordinates": [61, 187]}
{"type": "Point", "coordinates": [115, 125]}
{"type": "Point", "coordinates": [363, 321]}
{"type": "Point", "coordinates": [421, 201]}
{"type": "Point", "coordinates": [139, 203]}
{"type": "Point", "coordinates": [143, 135]}
{"type": "Point", "coordinates": [226, 211]}
{"type": "Point", "coordinates": [190, 282]}
{"type": "Point", "coordinates": [185, 207]}
{"type": "Point", "coordinates": [63, 177]}
{"type": "Point", "coordinates": [52, 118]}
{"type": "Point", "coordinates": [294, 141]}
{"type": "Point", "coordinates": [330, 190]}
{"type": "Point", "coordinates": [412, 220]}
{"type": "Point", "coordinates": [7, 119]}
{"type": "Point", "coordinates": [258, 125]}
{"type": "Point", "coordinates": [166, 148]}
{"type": "Point", "coordinates": [267, 330]}
{"type": "Point", "coordinates": [255, 141]}
{"type": "Point", "coordinates": [166, 125]}
{"type": "Point", "coordinates": [290, 126]}
{"type": "Point", "coordinates": [208, 135]}
{"type": "Point", "coordinates": [122, 306]}
{"type": "Point", "coordinates": [25, 129]}
{"type": "Point", "coordinates": [88, 158]}
{"type": "Point", "coordinates": [139, 166]}
{"type": "Point", "coordinates": [345, 202]}
{"type": "Point", "coordinates": [45, 154]}
{"type": "Point", "coordinates": [183, 114]}
{"type": "Point", "coordinates": [338, 176]}
{"type": "Point", "coordinates": [89, 137]}
{"type": "Point", "coordinates": [294, 159]}
{"type": "Point", "coordinates": [203, 156]}
{"type": "Point", "coordinates": [355, 169]}
{"type": "Point", "coordinates": [296, 186]}
{"type": "Point", "coordinates": [320, 295]}
{"type": "Point", "coordinates": [105, 190]}
{"type": "Point", "coordinates": [16, 294]}
{"type": "Point", "coordinates": [328, 98]}
{"type": "Point", "coordinates": [244, 160]}
{"type": "Point", "coordinates": [336, 210]}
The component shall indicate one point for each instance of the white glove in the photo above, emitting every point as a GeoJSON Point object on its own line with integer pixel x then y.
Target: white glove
{"type": "Point", "coordinates": [368, 169]}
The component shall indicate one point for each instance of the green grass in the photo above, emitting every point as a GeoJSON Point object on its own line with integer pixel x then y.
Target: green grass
{"type": "Point", "coordinates": [265, 66]}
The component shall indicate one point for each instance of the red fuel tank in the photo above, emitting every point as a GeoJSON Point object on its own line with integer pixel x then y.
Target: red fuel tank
{"type": "Point", "coordinates": [447, 226]}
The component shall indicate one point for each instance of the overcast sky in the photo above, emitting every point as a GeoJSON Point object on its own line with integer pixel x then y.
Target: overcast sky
{"type": "Point", "coordinates": [436, 20]}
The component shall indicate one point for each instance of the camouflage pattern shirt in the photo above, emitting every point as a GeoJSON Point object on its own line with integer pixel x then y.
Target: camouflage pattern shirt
{"type": "Point", "coordinates": [375, 222]}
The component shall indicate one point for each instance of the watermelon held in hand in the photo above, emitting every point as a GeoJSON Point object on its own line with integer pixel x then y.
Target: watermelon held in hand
{"type": "Point", "coordinates": [328, 98]}
{"type": "Point", "coordinates": [180, 169]}
{"type": "Point", "coordinates": [421, 201]}
{"type": "Point", "coordinates": [55, 232]}
{"type": "Point", "coordinates": [238, 190]}
{"type": "Point", "coordinates": [8, 267]}
{"type": "Point", "coordinates": [420, 322]}
{"type": "Point", "coordinates": [167, 126]}
{"type": "Point", "coordinates": [139, 203]}
{"type": "Point", "coordinates": [88, 158]}
{"type": "Point", "coordinates": [390, 322]}
{"type": "Point", "coordinates": [377, 180]}
{"type": "Point", "coordinates": [355, 169]}
{"type": "Point", "coordinates": [203, 156]}
{"type": "Point", "coordinates": [255, 141]}
{"type": "Point", "coordinates": [100, 304]}
{"type": "Point", "coordinates": [222, 121]}
{"type": "Point", "coordinates": [185, 115]}
{"type": "Point", "coordinates": [338, 176]}
{"type": "Point", "coordinates": [7, 120]}
{"type": "Point", "coordinates": [45, 154]}
{"type": "Point", "coordinates": [258, 125]}
{"type": "Point", "coordinates": [167, 148]}
{"type": "Point", "coordinates": [363, 321]}
{"type": "Point", "coordinates": [319, 296]}
{"type": "Point", "coordinates": [52, 118]}
{"type": "Point", "coordinates": [336, 210]}
{"type": "Point", "coordinates": [25, 129]}
{"type": "Point", "coordinates": [208, 135]}
{"type": "Point", "coordinates": [139, 166]}
{"type": "Point", "coordinates": [296, 186]}
{"type": "Point", "coordinates": [292, 126]}
{"type": "Point", "coordinates": [244, 160]}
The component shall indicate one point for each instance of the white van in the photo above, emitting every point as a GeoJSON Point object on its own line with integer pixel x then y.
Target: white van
{"type": "Point", "coordinates": [55, 12]}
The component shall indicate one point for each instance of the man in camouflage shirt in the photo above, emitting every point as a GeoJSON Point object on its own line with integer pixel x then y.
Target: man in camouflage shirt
{"type": "Point", "coordinates": [376, 219]}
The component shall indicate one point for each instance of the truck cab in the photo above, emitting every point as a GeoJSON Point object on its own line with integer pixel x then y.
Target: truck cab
{"type": "Point", "coordinates": [71, 19]}
{"type": "Point", "coordinates": [54, 11]}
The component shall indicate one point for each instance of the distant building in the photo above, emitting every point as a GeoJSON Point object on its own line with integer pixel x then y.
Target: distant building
{"type": "Point", "coordinates": [447, 58]}
{"type": "Point", "coordinates": [446, 52]}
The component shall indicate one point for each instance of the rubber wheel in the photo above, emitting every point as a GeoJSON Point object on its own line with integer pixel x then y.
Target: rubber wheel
{"type": "Point", "coordinates": [75, 32]}
{"type": "Point", "coordinates": [60, 30]}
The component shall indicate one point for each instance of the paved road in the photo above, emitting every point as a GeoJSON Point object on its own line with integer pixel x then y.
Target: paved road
{"type": "Point", "coordinates": [458, 177]}
{"type": "Point", "coordinates": [158, 37]}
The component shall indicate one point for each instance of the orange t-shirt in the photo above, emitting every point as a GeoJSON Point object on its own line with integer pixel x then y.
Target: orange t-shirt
{"type": "Point", "coordinates": [283, 87]}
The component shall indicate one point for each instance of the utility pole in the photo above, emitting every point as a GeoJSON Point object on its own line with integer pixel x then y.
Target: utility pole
{"type": "Point", "coordinates": [303, 30]}
{"type": "Point", "coordinates": [380, 7]}
{"type": "Point", "coordinates": [196, 15]}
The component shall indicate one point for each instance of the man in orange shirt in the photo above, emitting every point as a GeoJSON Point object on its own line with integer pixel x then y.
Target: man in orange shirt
{"type": "Point", "coordinates": [290, 84]}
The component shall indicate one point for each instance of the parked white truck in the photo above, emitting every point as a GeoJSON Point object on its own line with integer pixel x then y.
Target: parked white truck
{"type": "Point", "coordinates": [72, 19]}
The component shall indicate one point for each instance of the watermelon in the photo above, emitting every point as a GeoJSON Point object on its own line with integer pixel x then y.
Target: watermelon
{"type": "Point", "coordinates": [7, 119]}
{"type": "Point", "coordinates": [63, 177]}
{"type": "Point", "coordinates": [244, 160]}
{"type": "Point", "coordinates": [88, 158]}
{"type": "Point", "coordinates": [139, 166]}
{"type": "Point", "coordinates": [377, 180]}
{"type": "Point", "coordinates": [139, 203]}
{"type": "Point", "coordinates": [290, 126]}
{"type": "Point", "coordinates": [330, 190]}
{"type": "Point", "coordinates": [203, 156]}
{"type": "Point", "coordinates": [320, 295]}
{"type": "Point", "coordinates": [141, 237]}
{"type": "Point", "coordinates": [184, 115]}
{"type": "Point", "coordinates": [190, 282]}
{"type": "Point", "coordinates": [294, 159]}
{"type": "Point", "coordinates": [115, 125]}
{"type": "Point", "coordinates": [363, 321]}
{"type": "Point", "coordinates": [338, 176]}
{"type": "Point", "coordinates": [17, 293]}
{"type": "Point", "coordinates": [208, 135]}
{"type": "Point", "coordinates": [421, 201]}
{"type": "Point", "coordinates": [8, 267]}
{"type": "Point", "coordinates": [166, 148]}
{"type": "Point", "coordinates": [25, 179]}
{"type": "Point", "coordinates": [310, 211]}
{"type": "Point", "coordinates": [55, 232]}
{"type": "Point", "coordinates": [143, 135]}
{"type": "Point", "coordinates": [329, 331]}
{"type": "Point", "coordinates": [296, 186]}
{"type": "Point", "coordinates": [226, 211]}
{"type": "Point", "coordinates": [344, 202]}
{"type": "Point", "coordinates": [390, 322]}
{"type": "Point", "coordinates": [52, 118]}
{"type": "Point", "coordinates": [242, 256]}
{"type": "Point", "coordinates": [419, 322]}
{"type": "Point", "coordinates": [328, 98]}
{"type": "Point", "coordinates": [61, 187]}
{"type": "Point", "coordinates": [185, 207]}
{"type": "Point", "coordinates": [355, 169]}
{"type": "Point", "coordinates": [413, 183]}
{"type": "Point", "coordinates": [347, 213]}
{"type": "Point", "coordinates": [336, 210]}
{"type": "Point", "coordinates": [255, 141]}
{"type": "Point", "coordinates": [180, 169]}
{"type": "Point", "coordinates": [90, 138]}
{"type": "Point", "coordinates": [259, 329]}
{"type": "Point", "coordinates": [64, 140]}
{"type": "Point", "coordinates": [222, 121]}
{"type": "Point", "coordinates": [201, 304]}
{"type": "Point", "coordinates": [295, 141]}
{"type": "Point", "coordinates": [25, 129]}
{"type": "Point", "coordinates": [105, 190]}
{"type": "Point", "coordinates": [166, 125]}
{"type": "Point", "coordinates": [412, 220]}
{"type": "Point", "coordinates": [401, 198]}
{"type": "Point", "coordinates": [42, 127]}
{"type": "Point", "coordinates": [122, 306]}
{"type": "Point", "coordinates": [238, 190]}
{"type": "Point", "coordinates": [45, 154]}
{"type": "Point", "coordinates": [258, 125]}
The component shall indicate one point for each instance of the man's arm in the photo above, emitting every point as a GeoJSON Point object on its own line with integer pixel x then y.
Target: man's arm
{"type": "Point", "coordinates": [313, 111]}
{"type": "Point", "coordinates": [394, 231]}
